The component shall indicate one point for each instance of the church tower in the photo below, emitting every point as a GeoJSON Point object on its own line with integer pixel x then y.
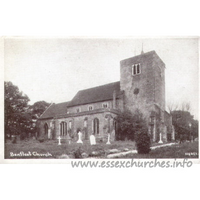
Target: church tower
{"type": "Point", "coordinates": [142, 78]}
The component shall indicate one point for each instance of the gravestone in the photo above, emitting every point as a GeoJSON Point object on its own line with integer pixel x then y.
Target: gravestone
{"type": "Point", "coordinates": [59, 138]}
{"type": "Point", "coordinates": [49, 133]}
{"type": "Point", "coordinates": [92, 140]}
{"type": "Point", "coordinates": [80, 138]}
{"type": "Point", "coordinates": [160, 141]}
{"type": "Point", "coordinates": [108, 142]}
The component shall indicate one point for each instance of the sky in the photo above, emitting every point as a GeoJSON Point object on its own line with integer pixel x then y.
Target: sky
{"type": "Point", "coordinates": [55, 69]}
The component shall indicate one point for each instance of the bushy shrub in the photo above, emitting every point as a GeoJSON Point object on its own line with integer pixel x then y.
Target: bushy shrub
{"type": "Point", "coordinates": [22, 136]}
{"type": "Point", "coordinates": [78, 153]}
{"type": "Point", "coordinates": [169, 137]}
{"type": "Point", "coordinates": [41, 139]}
{"type": "Point", "coordinates": [143, 143]}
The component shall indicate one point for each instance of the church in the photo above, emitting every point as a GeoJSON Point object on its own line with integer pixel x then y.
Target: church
{"type": "Point", "coordinates": [94, 110]}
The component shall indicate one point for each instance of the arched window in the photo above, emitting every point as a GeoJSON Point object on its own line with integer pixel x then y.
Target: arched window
{"type": "Point", "coordinates": [46, 129]}
{"type": "Point", "coordinates": [63, 128]}
{"type": "Point", "coordinates": [96, 126]}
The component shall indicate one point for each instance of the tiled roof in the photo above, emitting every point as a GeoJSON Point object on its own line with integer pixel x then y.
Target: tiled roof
{"type": "Point", "coordinates": [55, 109]}
{"type": "Point", "coordinates": [91, 95]}
{"type": "Point", "coordinates": [96, 94]}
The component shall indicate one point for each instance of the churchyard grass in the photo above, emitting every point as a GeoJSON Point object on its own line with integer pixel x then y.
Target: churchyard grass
{"type": "Point", "coordinates": [184, 150]}
{"type": "Point", "coordinates": [56, 150]}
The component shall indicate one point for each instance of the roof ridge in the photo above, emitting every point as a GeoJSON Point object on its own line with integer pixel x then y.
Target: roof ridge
{"type": "Point", "coordinates": [62, 102]}
{"type": "Point", "coordinates": [46, 109]}
{"type": "Point", "coordinates": [99, 86]}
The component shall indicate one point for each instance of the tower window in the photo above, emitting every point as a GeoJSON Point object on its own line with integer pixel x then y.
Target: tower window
{"type": "Point", "coordinates": [136, 69]}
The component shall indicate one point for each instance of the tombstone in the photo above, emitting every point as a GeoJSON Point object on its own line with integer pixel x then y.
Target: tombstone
{"type": "Point", "coordinates": [108, 142]}
{"type": "Point", "coordinates": [49, 133]}
{"type": "Point", "coordinates": [92, 140]}
{"type": "Point", "coordinates": [79, 138]}
{"type": "Point", "coordinates": [59, 138]}
{"type": "Point", "coordinates": [160, 141]}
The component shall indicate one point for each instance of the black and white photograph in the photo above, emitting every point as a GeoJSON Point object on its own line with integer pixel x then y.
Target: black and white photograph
{"type": "Point", "coordinates": [100, 98]}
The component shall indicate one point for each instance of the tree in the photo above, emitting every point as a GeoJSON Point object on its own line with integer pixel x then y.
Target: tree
{"type": "Point", "coordinates": [38, 108]}
{"type": "Point", "coordinates": [172, 106]}
{"type": "Point", "coordinates": [16, 108]}
{"type": "Point", "coordinates": [185, 106]}
{"type": "Point", "coordinates": [181, 120]}
{"type": "Point", "coordinates": [36, 111]}
{"type": "Point", "coordinates": [129, 125]}
{"type": "Point", "coordinates": [195, 128]}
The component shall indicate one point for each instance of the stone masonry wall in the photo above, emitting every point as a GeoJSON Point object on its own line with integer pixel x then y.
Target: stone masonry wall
{"type": "Point", "coordinates": [95, 106]}
{"type": "Point", "coordinates": [143, 81]}
{"type": "Point", "coordinates": [41, 129]}
{"type": "Point", "coordinates": [85, 124]}
{"type": "Point", "coordinates": [159, 74]}
{"type": "Point", "coordinates": [150, 83]}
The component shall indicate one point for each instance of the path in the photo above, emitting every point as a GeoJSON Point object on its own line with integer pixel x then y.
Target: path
{"type": "Point", "coordinates": [135, 151]}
